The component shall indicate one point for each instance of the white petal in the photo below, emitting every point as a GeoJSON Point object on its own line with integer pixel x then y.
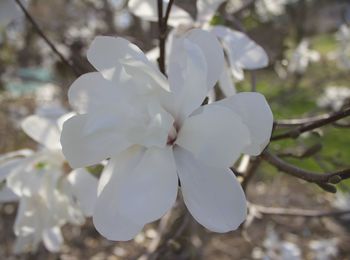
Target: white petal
{"type": "Point", "coordinates": [18, 153]}
{"type": "Point", "coordinates": [213, 53]}
{"type": "Point", "coordinates": [256, 114]}
{"type": "Point", "coordinates": [42, 130]}
{"type": "Point", "coordinates": [91, 92]}
{"type": "Point", "coordinates": [87, 149]}
{"type": "Point", "coordinates": [187, 78]}
{"type": "Point", "coordinates": [7, 167]}
{"type": "Point", "coordinates": [53, 239]}
{"type": "Point", "coordinates": [148, 10]}
{"type": "Point", "coordinates": [215, 135]}
{"type": "Point", "coordinates": [206, 9]}
{"type": "Point", "coordinates": [226, 83]}
{"type": "Point", "coordinates": [212, 195]}
{"type": "Point", "coordinates": [142, 188]}
{"type": "Point", "coordinates": [84, 187]}
{"type": "Point", "coordinates": [109, 55]}
{"type": "Point", "coordinates": [241, 50]}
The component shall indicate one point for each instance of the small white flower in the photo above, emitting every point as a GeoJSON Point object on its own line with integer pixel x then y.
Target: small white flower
{"type": "Point", "coordinates": [155, 131]}
{"type": "Point", "coordinates": [301, 57]}
{"type": "Point", "coordinates": [241, 51]}
{"type": "Point", "coordinates": [342, 54]}
{"type": "Point", "coordinates": [334, 98]}
{"type": "Point", "coordinates": [267, 9]}
{"type": "Point", "coordinates": [48, 196]}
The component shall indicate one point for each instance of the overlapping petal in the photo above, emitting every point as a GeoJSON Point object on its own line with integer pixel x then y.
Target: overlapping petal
{"type": "Point", "coordinates": [241, 50]}
{"type": "Point", "coordinates": [109, 55]}
{"type": "Point", "coordinates": [187, 78]}
{"type": "Point", "coordinates": [84, 187]}
{"type": "Point", "coordinates": [212, 51]}
{"type": "Point", "coordinates": [256, 114]}
{"type": "Point", "coordinates": [143, 183]}
{"type": "Point", "coordinates": [43, 131]}
{"type": "Point", "coordinates": [215, 135]}
{"type": "Point", "coordinates": [53, 239]}
{"type": "Point", "coordinates": [226, 83]}
{"type": "Point", "coordinates": [212, 195]}
{"type": "Point", "coordinates": [87, 149]}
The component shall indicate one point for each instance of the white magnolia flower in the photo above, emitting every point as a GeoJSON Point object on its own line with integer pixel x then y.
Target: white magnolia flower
{"type": "Point", "coordinates": [48, 196]}
{"type": "Point", "coordinates": [334, 98]}
{"type": "Point", "coordinates": [301, 57]}
{"type": "Point", "coordinates": [155, 131]}
{"type": "Point", "coordinates": [241, 51]}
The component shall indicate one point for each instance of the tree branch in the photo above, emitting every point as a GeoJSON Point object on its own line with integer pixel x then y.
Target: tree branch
{"type": "Point", "coordinates": [294, 212]}
{"type": "Point", "coordinates": [45, 38]}
{"type": "Point", "coordinates": [325, 180]}
{"type": "Point", "coordinates": [162, 26]}
{"type": "Point", "coordinates": [294, 133]}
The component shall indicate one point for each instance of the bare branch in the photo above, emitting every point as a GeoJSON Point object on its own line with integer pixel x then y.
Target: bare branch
{"type": "Point", "coordinates": [162, 26]}
{"type": "Point", "coordinates": [300, 121]}
{"type": "Point", "coordinates": [46, 39]}
{"type": "Point", "coordinates": [295, 212]}
{"type": "Point", "coordinates": [324, 180]}
{"type": "Point", "coordinates": [294, 133]}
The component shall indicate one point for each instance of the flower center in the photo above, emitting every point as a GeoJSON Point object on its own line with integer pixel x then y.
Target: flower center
{"type": "Point", "coordinates": [172, 135]}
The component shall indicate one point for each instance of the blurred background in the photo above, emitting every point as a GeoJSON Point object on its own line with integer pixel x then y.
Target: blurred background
{"type": "Point", "coordinates": [308, 44]}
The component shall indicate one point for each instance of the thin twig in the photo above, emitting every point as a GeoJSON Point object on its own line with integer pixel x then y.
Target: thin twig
{"type": "Point", "coordinates": [162, 26]}
{"type": "Point", "coordinates": [299, 121]}
{"type": "Point", "coordinates": [294, 133]}
{"type": "Point", "coordinates": [45, 38]}
{"type": "Point", "coordinates": [251, 170]}
{"type": "Point", "coordinates": [295, 212]}
{"type": "Point", "coordinates": [324, 180]}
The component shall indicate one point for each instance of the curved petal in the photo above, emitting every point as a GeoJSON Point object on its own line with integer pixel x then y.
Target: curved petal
{"type": "Point", "coordinates": [91, 91]}
{"type": "Point", "coordinates": [226, 83]}
{"type": "Point", "coordinates": [241, 50]}
{"type": "Point", "coordinates": [256, 114]}
{"type": "Point", "coordinates": [143, 185]}
{"type": "Point", "coordinates": [12, 155]}
{"type": "Point", "coordinates": [187, 78]}
{"type": "Point", "coordinates": [212, 195]}
{"type": "Point", "coordinates": [212, 51]}
{"type": "Point", "coordinates": [82, 148]}
{"type": "Point", "coordinates": [53, 239]}
{"type": "Point", "coordinates": [84, 188]}
{"type": "Point", "coordinates": [148, 10]}
{"type": "Point", "coordinates": [110, 55]}
{"type": "Point", "coordinates": [7, 167]}
{"type": "Point", "coordinates": [42, 130]}
{"type": "Point", "coordinates": [215, 135]}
